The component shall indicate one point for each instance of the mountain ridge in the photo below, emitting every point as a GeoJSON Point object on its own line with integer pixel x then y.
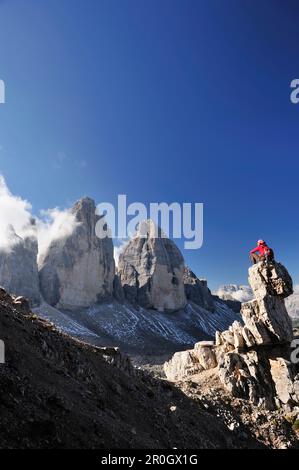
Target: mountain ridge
{"type": "Point", "coordinates": [152, 297]}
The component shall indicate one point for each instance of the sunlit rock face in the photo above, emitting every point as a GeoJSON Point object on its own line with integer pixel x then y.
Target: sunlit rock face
{"type": "Point", "coordinates": [78, 270]}
{"type": "Point", "coordinates": [253, 356]}
{"type": "Point", "coordinates": [151, 270]}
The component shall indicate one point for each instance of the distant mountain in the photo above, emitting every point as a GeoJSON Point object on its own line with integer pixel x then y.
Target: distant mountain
{"type": "Point", "coordinates": [292, 303]}
{"type": "Point", "coordinates": [235, 292]}
{"type": "Point", "coordinates": [152, 304]}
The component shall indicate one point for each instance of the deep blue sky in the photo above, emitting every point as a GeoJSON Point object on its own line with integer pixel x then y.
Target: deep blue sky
{"type": "Point", "coordinates": [162, 100]}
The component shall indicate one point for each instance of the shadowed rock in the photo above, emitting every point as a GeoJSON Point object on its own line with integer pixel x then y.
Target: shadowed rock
{"type": "Point", "coordinates": [197, 290]}
{"type": "Point", "coordinates": [18, 266]}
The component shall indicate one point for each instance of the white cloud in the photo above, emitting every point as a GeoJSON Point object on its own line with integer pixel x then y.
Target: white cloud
{"type": "Point", "coordinates": [15, 213]}
{"type": "Point", "coordinates": [235, 292]}
{"type": "Point", "coordinates": [118, 249]}
{"type": "Point", "coordinates": [16, 221]}
{"type": "Point", "coordinates": [296, 289]}
{"type": "Point", "coordinates": [54, 224]}
{"type": "Point", "coordinates": [242, 295]}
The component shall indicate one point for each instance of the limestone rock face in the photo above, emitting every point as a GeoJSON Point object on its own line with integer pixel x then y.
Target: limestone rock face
{"type": "Point", "coordinates": [253, 357]}
{"type": "Point", "coordinates": [78, 270]}
{"type": "Point", "coordinates": [281, 372]}
{"type": "Point", "coordinates": [267, 320]}
{"type": "Point", "coordinates": [18, 267]}
{"type": "Point", "coordinates": [270, 279]}
{"type": "Point", "coordinates": [263, 373]}
{"type": "Point", "coordinates": [186, 363]}
{"type": "Point", "coordinates": [182, 365]}
{"type": "Point", "coordinates": [266, 317]}
{"type": "Point", "coordinates": [205, 351]}
{"type": "Point", "coordinates": [151, 270]}
{"type": "Point", "coordinates": [197, 290]}
{"type": "Point", "coordinates": [247, 375]}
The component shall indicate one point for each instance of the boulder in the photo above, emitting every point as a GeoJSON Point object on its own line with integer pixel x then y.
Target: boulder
{"type": "Point", "coordinates": [182, 365]}
{"type": "Point", "coordinates": [265, 377]}
{"type": "Point", "coordinates": [267, 320]}
{"type": "Point", "coordinates": [247, 375]}
{"type": "Point", "coordinates": [186, 363]}
{"type": "Point", "coordinates": [270, 279]}
{"type": "Point", "coordinates": [237, 330]}
{"type": "Point", "coordinates": [282, 375]}
{"type": "Point", "coordinates": [151, 270]}
{"type": "Point", "coordinates": [78, 270]}
{"type": "Point", "coordinates": [205, 352]}
{"type": "Point", "coordinates": [248, 337]}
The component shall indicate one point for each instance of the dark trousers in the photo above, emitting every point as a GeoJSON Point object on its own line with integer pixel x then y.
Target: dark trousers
{"type": "Point", "coordinates": [256, 258]}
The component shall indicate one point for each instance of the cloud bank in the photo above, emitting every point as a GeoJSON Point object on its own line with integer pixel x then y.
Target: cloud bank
{"type": "Point", "coordinates": [54, 224]}
{"type": "Point", "coordinates": [15, 215]}
{"type": "Point", "coordinates": [235, 292]}
{"type": "Point", "coordinates": [17, 222]}
{"type": "Point", "coordinates": [118, 250]}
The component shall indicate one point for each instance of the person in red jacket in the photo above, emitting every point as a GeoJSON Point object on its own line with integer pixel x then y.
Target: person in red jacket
{"type": "Point", "coordinates": [261, 253]}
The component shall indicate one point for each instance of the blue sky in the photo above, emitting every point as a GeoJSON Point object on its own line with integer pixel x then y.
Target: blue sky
{"type": "Point", "coordinates": [162, 100]}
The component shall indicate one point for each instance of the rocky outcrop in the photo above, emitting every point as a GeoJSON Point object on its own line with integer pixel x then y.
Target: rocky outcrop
{"type": "Point", "coordinates": [182, 365]}
{"type": "Point", "coordinates": [151, 270]}
{"type": "Point", "coordinates": [270, 279]}
{"type": "Point", "coordinates": [197, 290]}
{"type": "Point", "coordinates": [266, 317]}
{"type": "Point", "coordinates": [263, 376]}
{"type": "Point", "coordinates": [253, 357]}
{"type": "Point", "coordinates": [18, 266]}
{"type": "Point", "coordinates": [193, 361]}
{"type": "Point", "coordinates": [78, 270]}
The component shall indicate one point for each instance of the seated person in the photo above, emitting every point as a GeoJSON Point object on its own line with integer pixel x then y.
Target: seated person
{"type": "Point", "coordinates": [261, 253]}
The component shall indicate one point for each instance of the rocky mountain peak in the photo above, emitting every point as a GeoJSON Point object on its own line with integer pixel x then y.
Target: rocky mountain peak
{"type": "Point", "coordinates": [83, 208]}
{"type": "Point", "coordinates": [18, 265]}
{"type": "Point", "coordinates": [151, 270]}
{"type": "Point", "coordinates": [78, 271]}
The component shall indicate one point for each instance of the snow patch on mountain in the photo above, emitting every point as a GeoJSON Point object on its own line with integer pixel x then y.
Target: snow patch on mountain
{"type": "Point", "coordinates": [141, 331]}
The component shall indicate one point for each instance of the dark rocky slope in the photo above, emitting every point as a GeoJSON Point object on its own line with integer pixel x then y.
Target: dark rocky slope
{"type": "Point", "coordinates": [56, 392]}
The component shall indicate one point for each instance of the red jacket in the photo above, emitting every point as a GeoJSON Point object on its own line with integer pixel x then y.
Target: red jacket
{"type": "Point", "coordinates": [262, 249]}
